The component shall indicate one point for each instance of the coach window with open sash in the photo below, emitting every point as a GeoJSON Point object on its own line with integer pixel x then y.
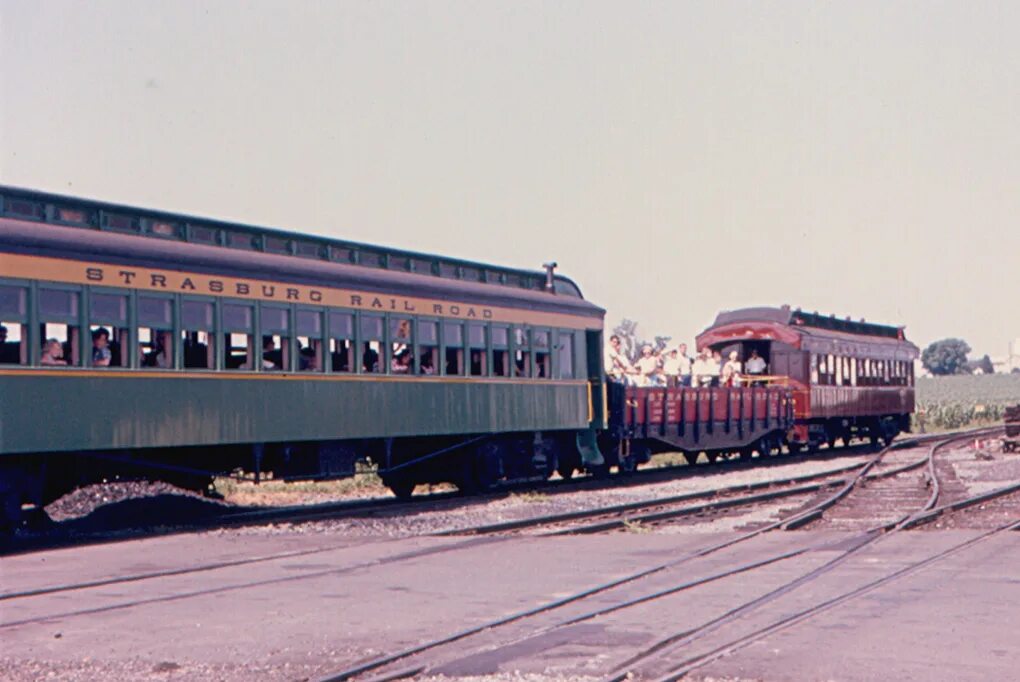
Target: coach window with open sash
{"type": "Point", "coordinates": [373, 354]}
{"type": "Point", "coordinates": [500, 351]}
{"type": "Point", "coordinates": [308, 325]}
{"type": "Point", "coordinates": [156, 331]}
{"type": "Point", "coordinates": [58, 327]}
{"type": "Point", "coordinates": [341, 341]}
{"type": "Point", "coordinates": [198, 322]}
{"type": "Point", "coordinates": [478, 348]}
{"type": "Point", "coordinates": [428, 346]}
{"type": "Point", "coordinates": [238, 323]}
{"type": "Point", "coordinates": [522, 352]}
{"type": "Point", "coordinates": [540, 341]}
{"type": "Point", "coordinates": [108, 330]}
{"type": "Point", "coordinates": [453, 342]}
{"type": "Point", "coordinates": [14, 325]}
{"type": "Point", "coordinates": [275, 338]}
{"type": "Point", "coordinates": [401, 345]}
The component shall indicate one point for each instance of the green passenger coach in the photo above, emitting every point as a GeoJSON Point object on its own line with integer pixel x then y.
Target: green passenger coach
{"type": "Point", "coordinates": [142, 343]}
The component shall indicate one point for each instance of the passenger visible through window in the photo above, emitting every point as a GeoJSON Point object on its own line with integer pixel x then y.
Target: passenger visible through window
{"type": "Point", "coordinates": [155, 332]}
{"type": "Point", "coordinates": [341, 341]}
{"type": "Point", "coordinates": [308, 324]}
{"type": "Point", "coordinates": [13, 343]}
{"type": "Point", "coordinates": [372, 360]}
{"type": "Point", "coordinates": [238, 322]}
{"type": "Point", "coordinates": [453, 340]}
{"type": "Point", "coordinates": [199, 343]}
{"type": "Point", "coordinates": [428, 346]}
{"type": "Point", "coordinates": [401, 346]}
{"type": "Point", "coordinates": [478, 343]}
{"type": "Point", "coordinates": [542, 354]}
{"type": "Point", "coordinates": [500, 351]}
{"type": "Point", "coordinates": [522, 353]}
{"type": "Point", "coordinates": [13, 330]}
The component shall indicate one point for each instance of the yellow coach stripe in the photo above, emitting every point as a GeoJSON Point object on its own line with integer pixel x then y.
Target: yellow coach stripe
{"type": "Point", "coordinates": [182, 282]}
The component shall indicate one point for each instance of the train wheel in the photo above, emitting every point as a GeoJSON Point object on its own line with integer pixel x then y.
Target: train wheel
{"type": "Point", "coordinates": [566, 471]}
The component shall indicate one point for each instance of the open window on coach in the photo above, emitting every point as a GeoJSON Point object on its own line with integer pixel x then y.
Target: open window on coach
{"type": "Point", "coordinates": [308, 325]}
{"type": "Point", "coordinates": [478, 344]}
{"type": "Point", "coordinates": [156, 332]}
{"type": "Point", "coordinates": [109, 333]}
{"type": "Point", "coordinates": [373, 355]}
{"type": "Point", "coordinates": [428, 346]}
{"type": "Point", "coordinates": [275, 322]}
{"type": "Point", "coordinates": [238, 327]}
{"type": "Point", "coordinates": [401, 346]}
{"type": "Point", "coordinates": [13, 325]}
{"type": "Point", "coordinates": [58, 327]}
{"type": "Point", "coordinates": [543, 354]}
{"type": "Point", "coordinates": [341, 341]}
{"type": "Point", "coordinates": [500, 351]}
{"type": "Point", "coordinates": [453, 343]}
{"type": "Point", "coordinates": [522, 352]}
{"type": "Point", "coordinates": [198, 319]}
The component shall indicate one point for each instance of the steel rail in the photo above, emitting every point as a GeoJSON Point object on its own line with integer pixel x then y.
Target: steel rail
{"type": "Point", "coordinates": [387, 659]}
{"type": "Point", "coordinates": [662, 646]}
{"type": "Point", "coordinates": [687, 666]}
{"type": "Point", "coordinates": [380, 662]}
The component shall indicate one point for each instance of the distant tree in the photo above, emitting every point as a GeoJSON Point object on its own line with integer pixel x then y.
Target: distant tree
{"type": "Point", "coordinates": [948, 356]}
{"type": "Point", "coordinates": [631, 343]}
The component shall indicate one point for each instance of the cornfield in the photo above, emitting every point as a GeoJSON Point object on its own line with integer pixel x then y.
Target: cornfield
{"type": "Point", "coordinates": [953, 402]}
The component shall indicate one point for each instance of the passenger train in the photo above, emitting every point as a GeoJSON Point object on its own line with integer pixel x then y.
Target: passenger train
{"type": "Point", "coordinates": [141, 343]}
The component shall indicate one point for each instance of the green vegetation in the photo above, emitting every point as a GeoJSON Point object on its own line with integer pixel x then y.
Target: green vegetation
{"type": "Point", "coordinates": [953, 402]}
{"type": "Point", "coordinates": [946, 357]}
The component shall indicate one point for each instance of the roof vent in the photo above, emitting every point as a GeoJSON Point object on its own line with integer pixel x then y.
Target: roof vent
{"type": "Point", "coordinates": [550, 275]}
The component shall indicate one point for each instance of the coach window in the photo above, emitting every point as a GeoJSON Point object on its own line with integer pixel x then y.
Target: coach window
{"type": "Point", "coordinates": [853, 371]}
{"type": "Point", "coordinates": [822, 377]}
{"type": "Point", "coordinates": [478, 344]}
{"type": "Point", "coordinates": [308, 325]}
{"type": "Point", "coordinates": [341, 341]}
{"type": "Point", "coordinates": [428, 346]}
{"type": "Point", "coordinates": [155, 332]}
{"type": "Point", "coordinates": [565, 356]}
{"type": "Point", "coordinates": [839, 371]}
{"type": "Point", "coordinates": [197, 325]}
{"type": "Point", "coordinates": [13, 325]}
{"type": "Point", "coordinates": [540, 340]}
{"type": "Point", "coordinates": [275, 338]}
{"type": "Point", "coordinates": [238, 321]}
{"type": "Point", "coordinates": [453, 343]}
{"type": "Point", "coordinates": [500, 351]}
{"type": "Point", "coordinates": [522, 352]}
{"type": "Point", "coordinates": [58, 326]}
{"type": "Point", "coordinates": [401, 346]}
{"type": "Point", "coordinates": [373, 358]}
{"type": "Point", "coordinates": [108, 314]}
{"type": "Point", "coordinates": [814, 369]}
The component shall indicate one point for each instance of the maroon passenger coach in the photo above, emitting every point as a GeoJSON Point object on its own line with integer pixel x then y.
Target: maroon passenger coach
{"type": "Point", "coordinates": [849, 379]}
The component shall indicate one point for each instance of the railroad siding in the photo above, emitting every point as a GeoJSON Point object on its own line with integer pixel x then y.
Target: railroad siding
{"type": "Point", "coordinates": [60, 413]}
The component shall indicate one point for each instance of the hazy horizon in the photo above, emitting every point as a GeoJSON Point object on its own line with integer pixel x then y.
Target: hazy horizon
{"type": "Point", "coordinates": [676, 159]}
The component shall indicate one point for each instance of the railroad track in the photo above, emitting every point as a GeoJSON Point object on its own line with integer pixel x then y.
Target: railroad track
{"type": "Point", "coordinates": [484, 537]}
{"type": "Point", "coordinates": [481, 534]}
{"type": "Point", "coordinates": [67, 534]}
{"type": "Point", "coordinates": [423, 659]}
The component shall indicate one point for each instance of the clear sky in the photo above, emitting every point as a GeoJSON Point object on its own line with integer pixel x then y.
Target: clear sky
{"type": "Point", "coordinates": [676, 158]}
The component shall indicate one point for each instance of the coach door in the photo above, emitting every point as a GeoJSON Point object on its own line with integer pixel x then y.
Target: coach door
{"type": "Point", "coordinates": [596, 378]}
